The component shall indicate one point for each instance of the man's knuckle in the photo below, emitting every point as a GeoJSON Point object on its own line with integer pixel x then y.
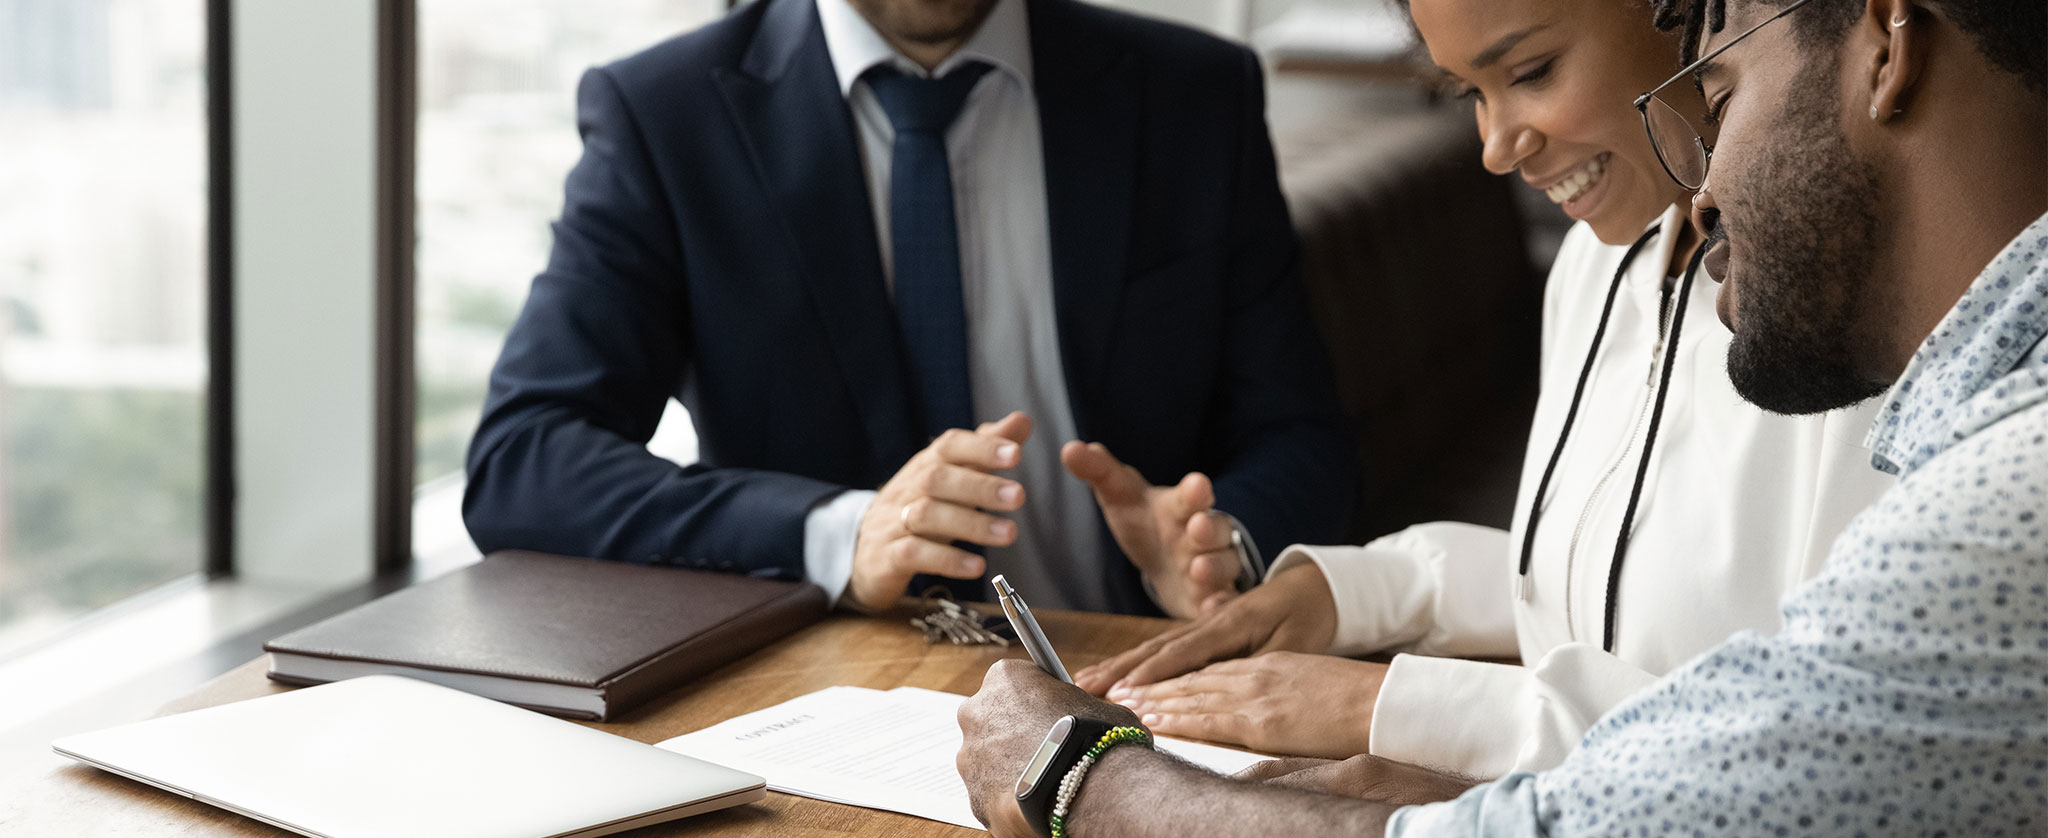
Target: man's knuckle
{"type": "Point", "coordinates": [1263, 716]}
{"type": "Point", "coordinates": [1191, 646]}
{"type": "Point", "coordinates": [903, 552]}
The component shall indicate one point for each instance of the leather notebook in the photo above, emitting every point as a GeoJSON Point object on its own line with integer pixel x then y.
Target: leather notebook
{"type": "Point", "coordinates": [580, 638]}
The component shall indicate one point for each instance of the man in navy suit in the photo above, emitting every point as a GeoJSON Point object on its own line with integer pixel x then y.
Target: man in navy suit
{"type": "Point", "coordinates": [844, 233]}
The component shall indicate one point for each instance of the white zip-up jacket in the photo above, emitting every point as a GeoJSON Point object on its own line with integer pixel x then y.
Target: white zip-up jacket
{"type": "Point", "coordinates": [1738, 507]}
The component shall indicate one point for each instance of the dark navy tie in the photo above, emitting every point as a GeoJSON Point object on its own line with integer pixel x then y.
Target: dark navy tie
{"type": "Point", "coordinates": [930, 308]}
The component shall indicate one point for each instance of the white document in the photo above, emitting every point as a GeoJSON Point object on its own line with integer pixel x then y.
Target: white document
{"type": "Point", "coordinates": [880, 749]}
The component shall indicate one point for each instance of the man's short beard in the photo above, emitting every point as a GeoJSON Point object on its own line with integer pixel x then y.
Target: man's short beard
{"type": "Point", "coordinates": [1809, 237]}
{"type": "Point", "coordinates": [926, 21]}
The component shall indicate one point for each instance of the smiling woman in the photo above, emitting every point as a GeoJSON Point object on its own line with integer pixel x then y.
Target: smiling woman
{"type": "Point", "coordinates": [1543, 78]}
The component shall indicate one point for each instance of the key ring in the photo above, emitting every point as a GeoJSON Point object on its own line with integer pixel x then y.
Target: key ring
{"type": "Point", "coordinates": [946, 619]}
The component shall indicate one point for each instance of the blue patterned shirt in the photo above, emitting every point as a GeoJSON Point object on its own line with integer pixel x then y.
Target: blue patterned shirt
{"type": "Point", "coordinates": [1908, 691]}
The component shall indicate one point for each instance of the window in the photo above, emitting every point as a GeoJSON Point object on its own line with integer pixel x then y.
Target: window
{"type": "Point", "coordinates": [497, 135]}
{"type": "Point", "coordinates": [103, 364]}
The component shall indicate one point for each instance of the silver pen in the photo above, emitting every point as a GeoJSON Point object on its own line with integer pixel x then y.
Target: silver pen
{"type": "Point", "coordinates": [1028, 630]}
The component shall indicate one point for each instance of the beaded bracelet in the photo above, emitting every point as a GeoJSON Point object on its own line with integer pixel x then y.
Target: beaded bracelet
{"type": "Point", "coordinates": [1071, 784]}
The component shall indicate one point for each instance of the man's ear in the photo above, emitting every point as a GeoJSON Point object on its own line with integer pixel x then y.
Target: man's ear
{"type": "Point", "coordinates": [1897, 32]}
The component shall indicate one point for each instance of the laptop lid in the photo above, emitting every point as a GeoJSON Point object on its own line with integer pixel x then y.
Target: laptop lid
{"type": "Point", "coordinates": [390, 756]}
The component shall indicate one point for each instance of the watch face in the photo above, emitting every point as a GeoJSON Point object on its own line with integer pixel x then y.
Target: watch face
{"type": "Point", "coordinates": [1035, 771]}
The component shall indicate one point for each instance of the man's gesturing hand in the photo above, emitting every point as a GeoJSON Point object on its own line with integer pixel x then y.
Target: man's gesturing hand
{"type": "Point", "coordinates": [934, 500]}
{"type": "Point", "coordinates": [1172, 533]}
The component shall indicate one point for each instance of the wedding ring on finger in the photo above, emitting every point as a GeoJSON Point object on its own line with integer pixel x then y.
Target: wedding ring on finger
{"type": "Point", "coordinates": [903, 517]}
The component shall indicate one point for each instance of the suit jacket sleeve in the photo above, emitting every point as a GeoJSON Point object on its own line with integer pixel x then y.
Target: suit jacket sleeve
{"type": "Point", "coordinates": [560, 463]}
{"type": "Point", "coordinates": [1287, 472]}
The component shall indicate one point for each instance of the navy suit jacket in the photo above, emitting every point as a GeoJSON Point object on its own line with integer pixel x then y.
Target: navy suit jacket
{"type": "Point", "coordinates": [716, 244]}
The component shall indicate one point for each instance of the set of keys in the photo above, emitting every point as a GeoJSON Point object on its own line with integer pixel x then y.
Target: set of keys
{"type": "Point", "coordinates": [962, 625]}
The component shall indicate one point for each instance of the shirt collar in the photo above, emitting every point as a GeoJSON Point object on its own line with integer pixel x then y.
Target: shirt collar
{"type": "Point", "coordinates": [1671, 226]}
{"type": "Point", "coordinates": [1004, 41]}
{"type": "Point", "coordinates": [1988, 333]}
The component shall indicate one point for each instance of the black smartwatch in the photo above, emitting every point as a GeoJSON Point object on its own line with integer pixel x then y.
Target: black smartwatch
{"type": "Point", "coordinates": [1069, 738]}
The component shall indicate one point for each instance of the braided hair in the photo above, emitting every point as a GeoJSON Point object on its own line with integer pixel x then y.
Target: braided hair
{"type": "Point", "coordinates": [1692, 19]}
{"type": "Point", "coordinates": [2011, 34]}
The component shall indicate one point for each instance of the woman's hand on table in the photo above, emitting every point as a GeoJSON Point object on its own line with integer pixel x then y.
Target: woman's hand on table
{"type": "Point", "coordinates": [1278, 702]}
{"type": "Point", "coordinates": [1293, 611]}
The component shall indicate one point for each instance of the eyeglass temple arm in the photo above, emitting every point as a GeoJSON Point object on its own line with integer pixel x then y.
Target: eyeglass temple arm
{"type": "Point", "coordinates": [1694, 67]}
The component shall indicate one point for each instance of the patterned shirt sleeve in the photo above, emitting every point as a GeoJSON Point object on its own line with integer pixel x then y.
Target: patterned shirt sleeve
{"type": "Point", "coordinates": [1907, 693]}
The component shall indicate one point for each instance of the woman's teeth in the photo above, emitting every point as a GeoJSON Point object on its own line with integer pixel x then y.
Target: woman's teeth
{"type": "Point", "coordinates": [1578, 182]}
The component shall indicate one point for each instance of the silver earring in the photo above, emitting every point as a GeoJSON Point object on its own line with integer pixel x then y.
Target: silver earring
{"type": "Point", "coordinates": [1873, 110]}
{"type": "Point", "coordinates": [1900, 21]}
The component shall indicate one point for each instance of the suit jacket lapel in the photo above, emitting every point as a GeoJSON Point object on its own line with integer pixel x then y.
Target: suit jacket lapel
{"type": "Point", "coordinates": [786, 101]}
{"type": "Point", "coordinates": [1087, 91]}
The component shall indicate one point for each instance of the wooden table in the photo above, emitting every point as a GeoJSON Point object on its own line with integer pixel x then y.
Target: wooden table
{"type": "Point", "coordinates": [879, 652]}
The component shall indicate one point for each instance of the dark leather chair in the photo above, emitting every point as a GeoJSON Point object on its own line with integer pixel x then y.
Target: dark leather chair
{"type": "Point", "coordinates": [1419, 276]}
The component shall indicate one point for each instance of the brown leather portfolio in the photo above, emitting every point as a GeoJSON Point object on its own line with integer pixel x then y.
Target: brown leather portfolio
{"type": "Point", "coordinates": [573, 637]}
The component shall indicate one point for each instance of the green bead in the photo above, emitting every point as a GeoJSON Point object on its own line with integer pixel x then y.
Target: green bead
{"type": "Point", "coordinates": [1113, 737]}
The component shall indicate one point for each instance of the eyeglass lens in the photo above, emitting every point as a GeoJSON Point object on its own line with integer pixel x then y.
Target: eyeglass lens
{"type": "Point", "coordinates": [1677, 144]}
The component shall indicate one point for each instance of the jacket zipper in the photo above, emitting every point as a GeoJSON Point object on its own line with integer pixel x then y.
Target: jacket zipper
{"type": "Point", "coordinates": [1635, 436]}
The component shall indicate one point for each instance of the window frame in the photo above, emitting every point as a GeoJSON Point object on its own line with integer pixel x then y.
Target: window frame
{"type": "Point", "coordinates": [218, 527]}
{"type": "Point", "coordinates": [397, 265]}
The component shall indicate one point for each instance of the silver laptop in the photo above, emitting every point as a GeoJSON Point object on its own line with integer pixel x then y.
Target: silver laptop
{"type": "Point", "coordinates": [390, 756]}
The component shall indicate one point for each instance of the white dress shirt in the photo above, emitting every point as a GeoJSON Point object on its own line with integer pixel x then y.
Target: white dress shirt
{"type": "Point", "coordinates": [998, 167]}
{"type": "Point", "coordinates": [1739, 507]}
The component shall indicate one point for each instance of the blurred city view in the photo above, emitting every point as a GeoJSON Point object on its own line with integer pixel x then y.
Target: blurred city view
{"type": "Point", "coordinates": [102, 265]}
{"type": "Point", "coordinates": [497, 135]}
{"type": "Point", "coordinates": [102, 304]}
